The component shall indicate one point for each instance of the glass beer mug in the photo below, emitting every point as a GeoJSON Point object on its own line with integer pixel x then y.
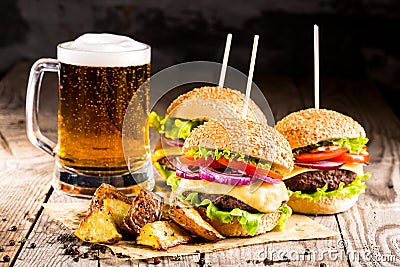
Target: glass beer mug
{"type": "Point", "coordinates": [100, 77]}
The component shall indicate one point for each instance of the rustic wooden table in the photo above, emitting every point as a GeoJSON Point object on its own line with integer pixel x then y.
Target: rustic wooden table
{"type": "Point", "coordinates": [369, 232]}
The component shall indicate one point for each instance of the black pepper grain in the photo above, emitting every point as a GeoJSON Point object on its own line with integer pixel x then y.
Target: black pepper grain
{"type": "Point", "coordinates": [4, 219]}
{"type": "Point", "coordinates": [6, 258]}
{"type": "Point", "coordinates": [32, 245]}
{"type": "Point", "coordinates": [11, 243]}
{"type": "Point", "coordinates": [157, 260]}
{"type": "Point", "coordinates": [76, 259]}
{"type": "Point", "coordinates": [13, 228]}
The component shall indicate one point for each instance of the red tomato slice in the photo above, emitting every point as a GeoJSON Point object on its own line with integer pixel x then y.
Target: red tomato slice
{"type": "Point", "coordinates": [317, 156]}
{"type": "Point", "coordinates": [249, 168]}
{"type": "Point", "coordinates": [200, 162]}
{"type": "Point", "coordinates": [352, 158]}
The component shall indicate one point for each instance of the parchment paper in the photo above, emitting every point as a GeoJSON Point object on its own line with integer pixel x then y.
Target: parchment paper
{"type": "Point", "coordinates": [298, 227]}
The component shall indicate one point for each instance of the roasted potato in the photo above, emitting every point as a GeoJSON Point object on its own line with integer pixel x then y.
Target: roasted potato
{"type": "Point", "coordinates": [146, 208]}
{"type": "Point", "coordinates": [189, 218]}
{"type": "Point", "coordinates": [98, 227]}
{"type": "Point", "coordinates": [106, 191]}
{"type": "Point", "coordinates": [117, 208]}
{"type": "Point", "coordinates": [162, 235]}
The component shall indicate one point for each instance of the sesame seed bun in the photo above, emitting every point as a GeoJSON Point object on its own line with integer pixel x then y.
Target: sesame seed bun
{"type": "Point", "coordinates": [250, 138]}
{"type": "Point", "coordinates": [326, 205]}
{"type": "Point", "coordinates": [215, 103]}
{"type": "Point", "coordinates": [310, 126]}
{"type": "Point", "coordinates": [267, 222]}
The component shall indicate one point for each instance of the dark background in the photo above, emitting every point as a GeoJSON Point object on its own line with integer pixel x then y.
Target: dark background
{"type": "Point", "coordinates": [359, 39]}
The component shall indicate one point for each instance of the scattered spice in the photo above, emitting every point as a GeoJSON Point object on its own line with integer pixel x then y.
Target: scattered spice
{"type": "Point", "coordinates": [176, 258]}
{"type": "Point", "coordinates": [32, 245]}
{"type": "Point", "coordinates": [63, 238]}
{"type": "Point", "coordinates": [1, 249]}
{"type": "Point", "coordinates": [322, 264]}
{"type": "Point", "coordinates": [307, 252]}
{"type": "Point", "coordinates": [72, 250]}
{"type": "Point", "coordinates": [202, 259]}
{"type": "Point", "coordinates": [121, 256]}
{"type": "Point", "coordinates": [157, 260]}
{"type": "Point", "coordinates": [13, 228]}
{"type": "Point", "coordinates": [6, 258]}
{"type": "Point", "coordinates": [268, 262]}
{"type": "Point", "coordinates": [11, 243]}
{"type": "Point", "coordinates": [22, 240]}
{"type": "Point", "coordinates": [4, 219]}
{"type": "Point", "coordinates": [76, 259]}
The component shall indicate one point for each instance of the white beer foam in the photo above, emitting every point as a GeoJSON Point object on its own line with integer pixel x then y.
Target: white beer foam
{"type": "Point", "coordinates": [104, 50]}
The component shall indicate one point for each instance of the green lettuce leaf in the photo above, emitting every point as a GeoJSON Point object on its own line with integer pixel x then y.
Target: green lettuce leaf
{"type": "Point", "coordinates": [173, 181]}
{"type": "Point", "coordinates": [172, 128]}
{"type": "Point", "coordinates": [354, 145]}
{"type": "Point", "coordinates": [354, 188]}
{"type": "Point", "coordinates": [249, 221]}
{"type": "Point", "coordinates": [168, 174]}
{"type": "Point", "coordinates": [286, 212]}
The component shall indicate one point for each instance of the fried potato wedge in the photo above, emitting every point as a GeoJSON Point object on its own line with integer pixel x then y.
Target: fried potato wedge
{"type": "Point", "coordinates": [162, 235]}
{"type": "Point", "coordinates": [106, 191]}
{"type": "Point", "coordinates": [189, 218]}
{"type": "Point", "coordinates": [118, 209]}
{"type": "Point", "coordinates": [98, 227]}
{"type": "Point", "coordinates": [146, 208]}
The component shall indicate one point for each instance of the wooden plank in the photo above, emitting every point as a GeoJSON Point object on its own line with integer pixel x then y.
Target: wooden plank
{"type": "Point", "coordinates": [372, 235]}
{"type": "Point", "coordinates": [25, 174]}
{"type": "Point", "coordinates": [24, 182]}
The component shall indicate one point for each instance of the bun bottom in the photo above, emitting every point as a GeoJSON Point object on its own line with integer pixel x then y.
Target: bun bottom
{"type": "Point", "coordinates": [234, 228]}
{"type": "Point", "coordinates": [326, 205]}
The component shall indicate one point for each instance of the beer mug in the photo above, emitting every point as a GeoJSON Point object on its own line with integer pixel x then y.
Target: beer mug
{"type": "Point", "coordinates": [100, 77]}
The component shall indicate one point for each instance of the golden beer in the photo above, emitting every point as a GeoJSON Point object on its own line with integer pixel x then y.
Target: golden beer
{"type": "Point", "coordinates": [102, 114]}
{"type": "Point", "coordinates": [92, 106]}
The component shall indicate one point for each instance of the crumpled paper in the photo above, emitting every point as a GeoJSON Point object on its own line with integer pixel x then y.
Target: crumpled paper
{"type": "Point", "coordinates": [298, 227]}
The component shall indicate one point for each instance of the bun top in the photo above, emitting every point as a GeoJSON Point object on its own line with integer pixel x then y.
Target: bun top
{"type": "Point", "coordinates": [210, 102]}
{"type": "Point", "coordinates": [247, 137]}
{"type": "Point", "coordinates": [310, 126]}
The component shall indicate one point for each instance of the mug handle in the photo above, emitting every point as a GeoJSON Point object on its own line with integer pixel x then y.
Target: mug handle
{"type": "Point", "coordinates": [32, 103]}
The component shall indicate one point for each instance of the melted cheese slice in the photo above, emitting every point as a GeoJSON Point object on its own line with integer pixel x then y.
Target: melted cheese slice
{"type": "Point", "coordinates": [354, 167]}
{"type": "Point", "coordinates": [262, 196]}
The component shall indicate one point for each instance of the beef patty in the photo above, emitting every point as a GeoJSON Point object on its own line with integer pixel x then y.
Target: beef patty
{"type": "Point", "coordinates": [225, 202]}
{"type": "Point", "coordinates": [310, 181]}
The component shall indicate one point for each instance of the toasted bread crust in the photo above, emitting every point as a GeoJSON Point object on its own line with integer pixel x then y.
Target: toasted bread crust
{"type": "Point", "coordinates": [310, 126]}
{"type": "Point", "coordinates": [215, 103]}
{"type": "Point", "coordinates": [326, 205]}
{"type": "Point", "coordinates": [234, 228]}
{"type": "Point", "coordinates": [253, 139]}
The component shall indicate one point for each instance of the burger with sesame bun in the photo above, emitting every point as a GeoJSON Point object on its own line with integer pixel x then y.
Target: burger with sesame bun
{"type": "Point", "coordinates": [330, 151]}
{"type": "Point", "coordinates": [187, 112]}
{"type": "Point", "coordinates": [232, 173]}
